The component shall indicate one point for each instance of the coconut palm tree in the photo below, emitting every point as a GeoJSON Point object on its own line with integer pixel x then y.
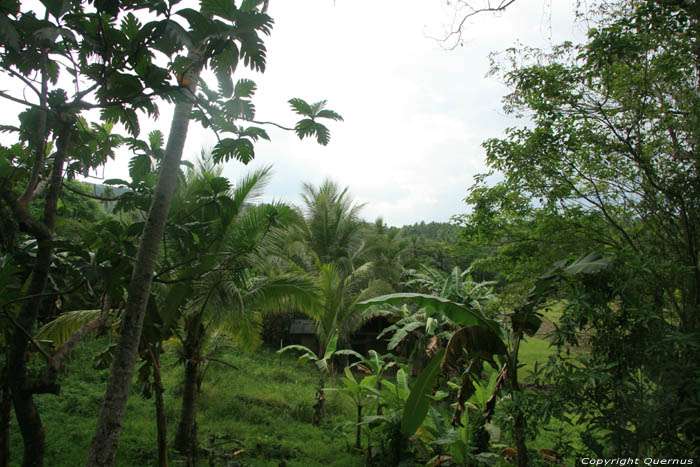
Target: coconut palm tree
{"type": "Point", "coordinates": [333, 230]}
{"type": "Point", "coordinates": [217, 266]}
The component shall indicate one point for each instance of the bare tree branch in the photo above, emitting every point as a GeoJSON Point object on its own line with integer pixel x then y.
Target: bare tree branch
{"type": "Point", "coordinates": [464, 11]}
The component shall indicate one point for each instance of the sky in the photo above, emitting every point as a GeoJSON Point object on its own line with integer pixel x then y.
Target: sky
{"type": "Point", "coordinates": [415, 113]}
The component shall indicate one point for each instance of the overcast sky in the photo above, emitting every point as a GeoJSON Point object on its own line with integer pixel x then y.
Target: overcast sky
{"type": "Point", "coordinates": [415, 113]}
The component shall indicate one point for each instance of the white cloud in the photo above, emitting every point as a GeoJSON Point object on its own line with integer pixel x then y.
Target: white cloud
{"type": "Point", "coordinates": [415, 114]}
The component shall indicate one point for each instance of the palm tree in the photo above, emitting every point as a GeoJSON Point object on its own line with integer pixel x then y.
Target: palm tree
{"type": "Point", "coordinates": [333, 229]}
{"type": "Point", "coordinates": [386, 250]}
{"type": "Point", "coordinates": [218, 275]}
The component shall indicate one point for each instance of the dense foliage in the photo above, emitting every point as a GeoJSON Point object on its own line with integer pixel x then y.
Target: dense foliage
{"type": "Point", "coordinates": [565, 301]}
{"type": "Point", "coordinates": [610, 162]}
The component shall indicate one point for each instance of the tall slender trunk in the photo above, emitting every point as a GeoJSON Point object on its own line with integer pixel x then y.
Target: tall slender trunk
{"type": "Point", "coordinates": [186, 434]}
{"type": "Point", "coordinates": [103, 449]}
{"type": "Point", "coordinates": [161, 423]}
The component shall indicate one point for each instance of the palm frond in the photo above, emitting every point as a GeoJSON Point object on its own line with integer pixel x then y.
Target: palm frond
{"type": "Point", "coordinates": [60, 329]}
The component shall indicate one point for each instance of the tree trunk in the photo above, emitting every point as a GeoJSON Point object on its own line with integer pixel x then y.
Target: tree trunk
{"type": "Point", "coordinates": [161, 422]}
{"type": "Point", "coordinates": [103, 449]}
{"type": "Point", "coordinates": [186, 434]}
{"type": "Point", "coordinates": [519, 418]}
{"type": "Point", "coordinates": [519, 435]}
{"type": "Point", "coordinates": [5, 414]}
{"type": "Point", "coordinates": [21, 386]}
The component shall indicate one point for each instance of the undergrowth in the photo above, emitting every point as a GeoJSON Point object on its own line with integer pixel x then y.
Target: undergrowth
{"type": "Point", "coordinates": [258, 414]}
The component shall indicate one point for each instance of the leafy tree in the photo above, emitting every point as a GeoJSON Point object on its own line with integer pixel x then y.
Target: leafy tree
{"type": "Point", "coordinates": [120, 66]}
{"type": "Point", "coordinates": [435, 244]}
{"type": "Point", "coordinates": [332, 246]}
{"type": "Point", "coordinates": [416, 329]}
{"type": "Point", "coordinates": [609, 161]}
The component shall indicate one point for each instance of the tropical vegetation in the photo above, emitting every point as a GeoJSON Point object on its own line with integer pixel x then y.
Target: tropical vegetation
{"type": "Point", "coordinates": [556, 318]}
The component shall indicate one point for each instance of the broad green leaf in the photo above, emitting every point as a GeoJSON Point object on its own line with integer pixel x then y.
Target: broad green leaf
{"type": "Point", "coordinates": [301, 107]}
{"type": "Point", "coordinates": [322, 365]}
{"type": "Point", "coordinates": [57, 8]}
{"type": "Point", "coordinates": [402, 332]}
{"type": "Point", "coordinates": [174, 39]}
{"type": "Point", "coordinates": [456, 312]}
{"type": "Point", "coordinates": [416, 407]}
{"type": "Point", "coordinates": [115, 181]}
{"type": "Point", "coordinates": [402, 384]}
{"type": "Point", "coordinates": [103, 360]}
{"type": "Point", "coordinates": [228, 148]}
{"type": "Point", "coordinates": [240, 108]}
{"type": "Point", "coordinates": [526, 320]}
{"type": "Point", "coordinates": [430, 326]}
{"type": "Point", "coordinates": [590, 263]}
{"type": "Point", "coordinates": [254, 133]}
{"type": "Point", "coordinates": [253, 50]}
{"type": "Point", "coordinates": [330, 348]}
{"type": "Point", "coordinates": [329, 114]}
{"type": "Point", "coordinates": [245, 88]}
{"type": "Point", "coordinates": [127, 116]}
{"type": "Point", "coordinates": [200, 25]}
{"type": "Point", "coordinates": [349, 352]}
{"type": "Point", "coordinates": [155, 139]}
{"type": "Point", "coordinates": [250, 5]}
{"type": "Point", "coordinates": [140, 166]}
{"type": "Point", "coordinates": [130, 25]}
{"type": "Point", "coordinates": [223, 8]}
{"type": "Point", "coordinates": [172, 307]}
{"type": "Point", "coordinates": [349, 375]}
{"type": "Point", "coordinates": [8, 33]}
{"type": "Point", "coordinates": [225, 63]}
{"type": "Point", "coordinates": [219, 184]}
{"type": "Point", "coordinates": [323, 136]}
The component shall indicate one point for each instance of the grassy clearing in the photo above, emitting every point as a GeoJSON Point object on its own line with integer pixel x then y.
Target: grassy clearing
{"type": "Point", "coordinates": [262, 411]}
{"type": "Point", "coordinates": [533, 350]}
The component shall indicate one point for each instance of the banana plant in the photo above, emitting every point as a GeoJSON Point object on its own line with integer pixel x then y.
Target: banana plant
{"type": "Point", "coordinates": [376, 365]}
{"type": "Point", "coordinates": [460, 444]}
{"type": "Point", "coordinates": [406, 407]}
{"type": "Point", "coordinates": [324, 365]}
{"type": "Point", "coordinates": [368, 388]}
{"type": "Point", "coordinates": [482, 340]}
{"type": "Point", "coordinates": [361, 394]}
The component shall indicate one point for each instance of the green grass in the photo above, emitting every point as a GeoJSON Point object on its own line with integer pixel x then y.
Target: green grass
{"type": "Point", "coordinates": [532, 350]}
{"type": "Point", "coordinates": [537, 349]}
{"type": "Point", "coordinates": [262, 410]}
